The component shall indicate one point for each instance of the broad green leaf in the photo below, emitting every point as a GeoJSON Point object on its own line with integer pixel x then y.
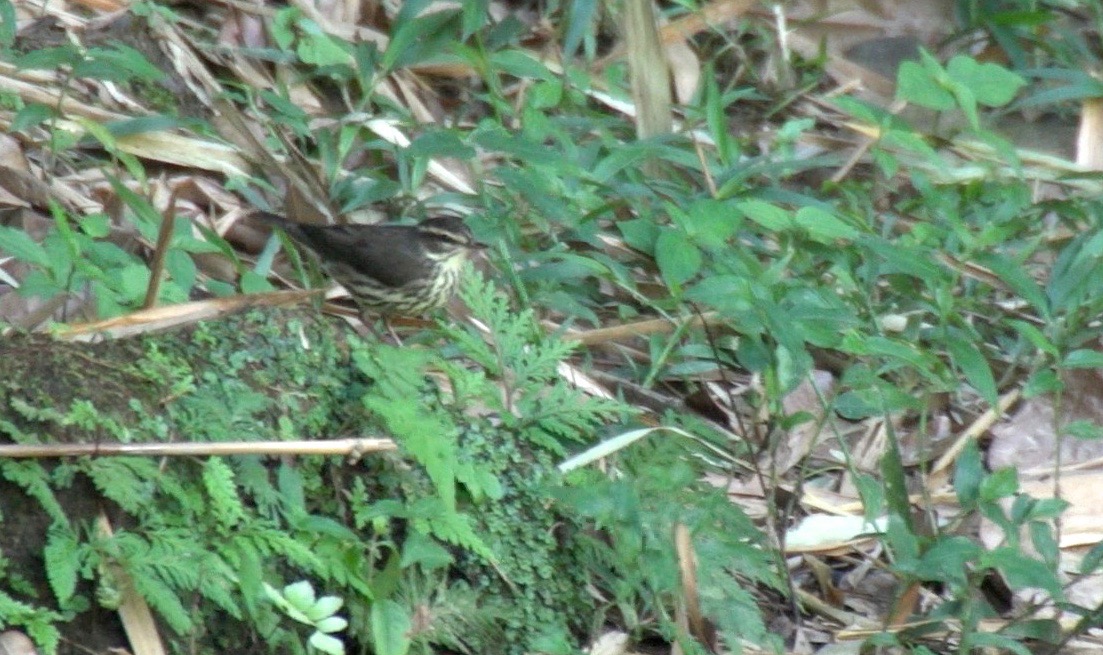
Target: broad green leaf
{"type": "Point", "coordinates": [765, 214]}
{"type": "Point", "coordinates": [32, 114]}
{"type": "Point", "coordinates": [390, 628]}
{"type": "Point", "coordinates": [300, 595]}
{"type": "Point", "coordinates": [253, 283]}
{"type": "Point", "coordinates": [640, 233]}
{"type": "Point", "coordinates": [1042, 382]}
{"type": "Point", "coordinates": [327, 644]}
{"type": "Point", "coordinates": [678, 259]}
{"type": "Point", "coordinates": [119, 63]}
{"type": "Point", "coordinates": [181, 268]}
{"type": "Point", "coordinates": [1022, 571]}
{"type": "Point", "coordinates": [331, 624]}
{"type": "Point", "coordinates": [319, 48]}
{"type": "Point", "coordinates": [132, 282]}
{"type": "Point", "coordinates": [324, 607]}
{"type": "Point", "coordinates": [47, 58]}
{"type": "Point", "coordinates": [915, 84]}
{"type": "Point", "coordinates": [519, 63]}
{"type": "Point", "coordinates": [1015, 276]}
{"type": "Point", "coordinates": [1083, 358]}
{"type": "Point", "coordinates": [970, 360]}
{"type": "Point", "coordinates": [968, 474]}
{"type": "Point", "coordinates": [1035, 337]}
{"type": "Point", "coordinates": [822, 226]}
{"type": "Point", "coordinates": [579, 22]}
{"type": "Point", "coordinates": [991, 84]}
{"type": "Point", "coordinates": [20, 245]}
{"type": "Point", "coordinates": [7, 24]}
{"type": "Point", "coordinates": [474, 16]}
{"type": "Point", "coordinates": [711, 223]}
{"type": "Point", "coordinates": [999, 484]}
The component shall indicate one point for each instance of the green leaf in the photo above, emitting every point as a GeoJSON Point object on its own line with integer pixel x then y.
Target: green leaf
{"type": "Point", "coordinates": [300, 595]}
{"type": "Point", "coordinates": [283, 26]}
{"type": "Point", "coordinates": [119, 62]}
{"type": "Point", "coordinates": [331, 624]}
{"type": "Point", "coordinates": [327, 644]}
{"type": "Point", "coordinates": [32, 114]}
{"type": "Point", "coordinates": [969, 358]}
{"type": "Point", "coordinates": [253, 283]}
{"type": "Point", "coordinates": [1023, 572]}
{"type": "Point", "coordinates": [474, 16]}
{"type": "Point", "coordinates": [948, 560]}
{"type": "Point", "coordinates": [181, 268]}
{"type": "Point", "coordinates": [422, 550]}
{"type": "Point", "coordinates": [640, 233]}
{"type": "Point", "coordinates": [710, 223]}
{"type": "Point", "coordinates": [225, 504]}
{"type": "Point", "coordinates": [47, 58]}
{"type": "Point", "coordinates": [822, 226]}
{"type": "Point", "coordinates": [995, 642]}
{"type": "Point", "coordinates": [323, 608]}
{"type": "Point", "coordinates": [765, 214]}
{"type": "Point", "coordinates": [991, 84]}
{"type": "Point", "coordinates": [319, 48]}
{"type": "Point", "coordinates": [390, 627]}
{"type": "Point", "coordinates": [520, 64]}
{"type": "Point", "coordinates": [579, 23]}
{"type": "Point", "coordinates": [968, 474]}
{"type": "Point", "coordinates": [96, 226]}
{"type": "Point", "coordinates": [418, 38]}
{"type": "Point", "coordinates": [916, 85]}
{"type": "Point", "coordinates": [1083, 358]}
{"type": "Point", "coordinates": [132, 282]}
{"type": "Point", "coordinates": [999, 484]}
{"type": "Point", "coordinates": [1035, 337]}
{"type": "Point", "coordinates": [7, 24]}
{"type": "Point", "coordinates": [20, 245]}
{"type": "Point", "coordinates": [678, 259]}
{"type": "Point", "coordinates": [728, 294]}
{"type": "Point", "coordinates": [968, 104]}
{"type": "Point", "coordinates": [1042, 382]}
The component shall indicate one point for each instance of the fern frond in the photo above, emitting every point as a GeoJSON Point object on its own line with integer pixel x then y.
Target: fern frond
{"type": "Point", "coordinates": [129, 481]}
{"type": "Point", "coordinates": [225, 504]}
{"type": "Point", "coordinates": [63, 561]}
{"type": "Point", "coordinates": [38, 623]}
{"type": "Point", "coordinates": [35, 482]}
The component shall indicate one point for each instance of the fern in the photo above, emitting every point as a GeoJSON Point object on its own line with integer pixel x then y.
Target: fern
{"type": "Point", "coordinates": [38, 623]}
{"type": "Point", "coordinates": [35, 482]}
{"type": "Point", "coordinates": [399, 384]}
{"type": "Point", "coordinates": [162, 598]}
{"type": "Point", "coordinates": [457, 529]}
{"type": "Point", "coordinates": [63, 561]}
{"type": "Point", "coordinates": [538, 405]}
{"type": "Point", "coordinates": [128, 481]}
{"type": "Point", "coordinates": [226, 506]}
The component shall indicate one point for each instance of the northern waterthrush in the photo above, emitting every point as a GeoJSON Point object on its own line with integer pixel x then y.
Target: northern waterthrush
{"type": "Point", "coordinates": [389, 269]}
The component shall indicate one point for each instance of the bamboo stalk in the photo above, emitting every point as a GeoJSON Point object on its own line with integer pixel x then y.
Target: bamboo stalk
{"type": "Point", "coordinates": [351, 447]}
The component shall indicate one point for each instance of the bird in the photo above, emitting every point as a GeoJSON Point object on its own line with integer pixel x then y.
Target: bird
{"type": "Point", "coordinates": [405, 270]}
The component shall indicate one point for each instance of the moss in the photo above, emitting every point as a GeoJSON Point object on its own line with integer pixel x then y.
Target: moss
{"type": "Point", "coordinates": [540, 574]}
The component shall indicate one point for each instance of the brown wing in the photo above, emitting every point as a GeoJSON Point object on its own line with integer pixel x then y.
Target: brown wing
{"type": "Point", "coordinates": [389, 254]}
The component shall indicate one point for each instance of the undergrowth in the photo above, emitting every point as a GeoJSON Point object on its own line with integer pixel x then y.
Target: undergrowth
{"type": "Point", "coordinates": [930, 276]}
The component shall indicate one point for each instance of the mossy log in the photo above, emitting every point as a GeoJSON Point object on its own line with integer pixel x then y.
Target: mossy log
{"type": "Point", "coordinates": [260, 375]}
{"type": "Point", "coordinates": [266, 374]}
